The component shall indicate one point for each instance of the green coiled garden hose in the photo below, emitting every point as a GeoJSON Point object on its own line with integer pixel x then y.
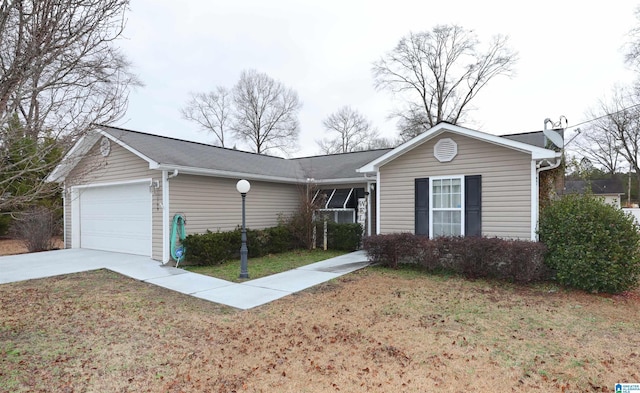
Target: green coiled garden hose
{"type": "Point", "coordinates": [178, 233]}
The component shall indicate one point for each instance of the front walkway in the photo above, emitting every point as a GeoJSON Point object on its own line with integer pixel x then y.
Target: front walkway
{"type": "Point", "coordinates": [244, 295]}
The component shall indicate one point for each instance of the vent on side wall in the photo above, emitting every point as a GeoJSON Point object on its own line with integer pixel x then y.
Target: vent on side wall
{"type": "Point", "coordinates": [445, 150]}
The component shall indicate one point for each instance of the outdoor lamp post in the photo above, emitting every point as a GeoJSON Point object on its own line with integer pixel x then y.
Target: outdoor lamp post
{"type": "Point", "coordinates": [243, 188]}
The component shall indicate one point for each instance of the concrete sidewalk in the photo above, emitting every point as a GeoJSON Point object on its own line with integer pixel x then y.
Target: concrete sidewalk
{"type": "Point", "coordinates": [244, 295]}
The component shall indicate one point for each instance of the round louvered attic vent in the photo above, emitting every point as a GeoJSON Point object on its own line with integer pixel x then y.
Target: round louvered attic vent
{"type": "Point", "coordinates": [445, 150]}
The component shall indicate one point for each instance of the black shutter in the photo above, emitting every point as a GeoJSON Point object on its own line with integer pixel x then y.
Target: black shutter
{"type": "Point", "coordinates": [473, 205]}
{"type": "Point", "coordinates": [422, 206]}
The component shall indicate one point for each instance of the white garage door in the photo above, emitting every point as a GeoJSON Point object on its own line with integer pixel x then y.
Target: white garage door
{"type": "Point", "coordinates": [116, 218]}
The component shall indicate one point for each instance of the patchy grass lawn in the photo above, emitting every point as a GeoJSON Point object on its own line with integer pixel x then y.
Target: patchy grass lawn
{"type": "Point", "coordinates": [373, 330]}
{"type": "Point", "coordinates": [267, 265]}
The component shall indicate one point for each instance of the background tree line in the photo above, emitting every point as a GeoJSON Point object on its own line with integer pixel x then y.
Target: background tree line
{"type": "Point", "coordinates": [62, 72]}
{"type": "Point", "coordinates": [435, 75]}
{"type": "Point", "coordinates": [608, 144]}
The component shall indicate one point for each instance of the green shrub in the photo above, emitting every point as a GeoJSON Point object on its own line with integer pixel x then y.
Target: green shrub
{"type": "Point", "coordinates": [280, 239]}
{"type": "Point", "coordinates": [514, 260]}
{"type": "Point", "coordinates": [213, 248]}
{"type": "Point", "coordinates": [591, 245]}
{"type": "Point", "coordinates": [345, 237]}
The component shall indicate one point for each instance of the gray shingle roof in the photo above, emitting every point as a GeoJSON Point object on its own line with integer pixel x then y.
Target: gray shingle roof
{"type": "Point", "coordinates": [171, 152]}
{"type": "Point", "coordinates": [337, 166]}
{"type": "Point", "coordinates": [598, 187]}
{"type": "Point", "coordinates": [535, 138]}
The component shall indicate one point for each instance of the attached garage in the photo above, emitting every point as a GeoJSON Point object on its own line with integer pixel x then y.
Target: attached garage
{"type": "Point", "coordinates": [113, 218]}
{"type": "Point", "coordinates": [122, 188]}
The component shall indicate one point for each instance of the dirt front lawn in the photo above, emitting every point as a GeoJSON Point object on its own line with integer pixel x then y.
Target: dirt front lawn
{"type": "Point", "coordinates": [374, 330]}
{"type": "Point", "coordinates": [10, 246]}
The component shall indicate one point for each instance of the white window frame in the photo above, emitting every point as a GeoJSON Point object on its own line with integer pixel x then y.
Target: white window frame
{"type": "Point", "coordinates": [337, 210]}
{"type": "Point", "coordinates": [432, 209]}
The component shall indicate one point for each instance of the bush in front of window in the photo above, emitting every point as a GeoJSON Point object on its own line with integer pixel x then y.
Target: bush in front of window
{"type": "Point", "coordinates": [592, 245]}
{"type": "Point", "coordinates": [473, 257]}
{"type": "Point", "coordinates": [344, 237]}
{"type": "Point", "coordinates": [394, 249]}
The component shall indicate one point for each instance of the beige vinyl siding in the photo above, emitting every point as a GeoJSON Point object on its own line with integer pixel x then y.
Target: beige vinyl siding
{"type": "Point", "coordinates": [211, 203]}
{"type": "Point", "coordinates": [119, 166]}
{"type": "Point", "coordinates": [506, 185]}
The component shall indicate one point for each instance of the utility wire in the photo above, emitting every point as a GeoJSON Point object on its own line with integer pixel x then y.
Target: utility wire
{"type": "Point", "coordinates": [603, 116]}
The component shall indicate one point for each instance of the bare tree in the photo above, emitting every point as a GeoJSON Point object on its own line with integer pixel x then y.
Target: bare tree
{"type": "Point", "coordinates": [616, 131]}
{"type": "Point", "coordinates": [60, 72]}
{"type": "Point", "coordinates": [412, 122]}
{"type": "Point", "coordinates": [439, 72]}
{"type": "Point", "coordinates": [632, 47]}
{"type": "Point", "coordinates": [597, 144]}
{"type": "Point", "coordinates": [266, 113]}
{"type": "Point", "coordinates": [211, 111]}
{"type": "Point", "coordinates": [350, 131]}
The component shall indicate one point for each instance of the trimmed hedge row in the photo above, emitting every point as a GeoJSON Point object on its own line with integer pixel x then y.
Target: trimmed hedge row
{"type": "Point", "coordinates": [212, 248]}
{"type": "Point", "coordinates": [474, 257]}
{"type": "Point", "coordinates": [344, 237]}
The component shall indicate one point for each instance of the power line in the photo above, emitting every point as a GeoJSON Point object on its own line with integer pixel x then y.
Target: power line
{"type": "Point", "coordinates": [603, 116]}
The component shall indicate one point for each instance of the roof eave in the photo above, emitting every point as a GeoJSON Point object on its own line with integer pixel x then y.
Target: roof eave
{"type": "Point", "coordinates": [125, 146]}
{"type": "Point", "coordinates": [72, 158]}
{"type": "Point", "coordinates": [226, 174]}
{"type": "Point", "coordinates": [81, 148]}
{"type": "Point", "coordinates": [349, 180]}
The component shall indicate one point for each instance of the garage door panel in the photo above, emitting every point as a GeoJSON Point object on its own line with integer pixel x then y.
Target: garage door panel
{"type": "Point", "coordinates": [116, 218]}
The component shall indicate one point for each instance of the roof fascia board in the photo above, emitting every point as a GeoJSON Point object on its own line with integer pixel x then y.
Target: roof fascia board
{"type": "Point", "coordinates": [82, 147]}
{"type": "Point", "coordinates": [125, 146]}
{"type": "Point", "coordinates": [226, 174]}
{"type": "Point", "coordinates": [351, 180]}
{"type": "Point", "coordinates": [537, 153]}
{"type": "Point", "coordinates": [251, 176]}
{"type": "Point", "coordinates": [73, 157]}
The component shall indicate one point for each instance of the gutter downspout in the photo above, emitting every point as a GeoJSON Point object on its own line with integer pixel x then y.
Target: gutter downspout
{"type": "Point", "coordinates": [378, 202]}
{"type": "Point", "coordinates": [535, 208]}
{"type": "Point", "coordinates": [166, 257]}
{"type": "Point", "coordinates": [64, 214]}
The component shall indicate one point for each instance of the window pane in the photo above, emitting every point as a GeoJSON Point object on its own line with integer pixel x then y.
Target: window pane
{"type": "Point", "coordinates": [437, 201]}
{"type": "Point", "coordinates": [345, 217]}
{"type": "Point", "coordinates": [456, 201]}
{"type": "Point", "coordinates": [456, 230]}
{"type": "Point", "coordinates": [456, 217]}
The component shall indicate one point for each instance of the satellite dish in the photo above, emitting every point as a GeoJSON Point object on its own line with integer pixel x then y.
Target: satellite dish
{"type": "Point", "coordinates": [554, 137]}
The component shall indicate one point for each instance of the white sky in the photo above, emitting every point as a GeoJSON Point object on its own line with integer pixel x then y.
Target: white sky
{"type": "Point", "coordinates": [570, 56]}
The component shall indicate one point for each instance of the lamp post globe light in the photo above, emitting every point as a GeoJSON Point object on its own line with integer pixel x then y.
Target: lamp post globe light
{"type": "Point", "coordinates": [243, 188]}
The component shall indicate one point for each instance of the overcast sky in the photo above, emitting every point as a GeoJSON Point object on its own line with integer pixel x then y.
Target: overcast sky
{"type": "Point", "coordinates": [570, 55]}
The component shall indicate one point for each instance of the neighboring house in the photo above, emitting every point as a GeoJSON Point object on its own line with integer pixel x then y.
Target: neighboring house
{"type": "Point", "coordinates": [609, 190]}
{"type": "Point", "coordinates": [122, 188]}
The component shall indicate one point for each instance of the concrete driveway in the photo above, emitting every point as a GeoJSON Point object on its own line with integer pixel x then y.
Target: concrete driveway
{"type": "Point", "coordinates": [244, 295]}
